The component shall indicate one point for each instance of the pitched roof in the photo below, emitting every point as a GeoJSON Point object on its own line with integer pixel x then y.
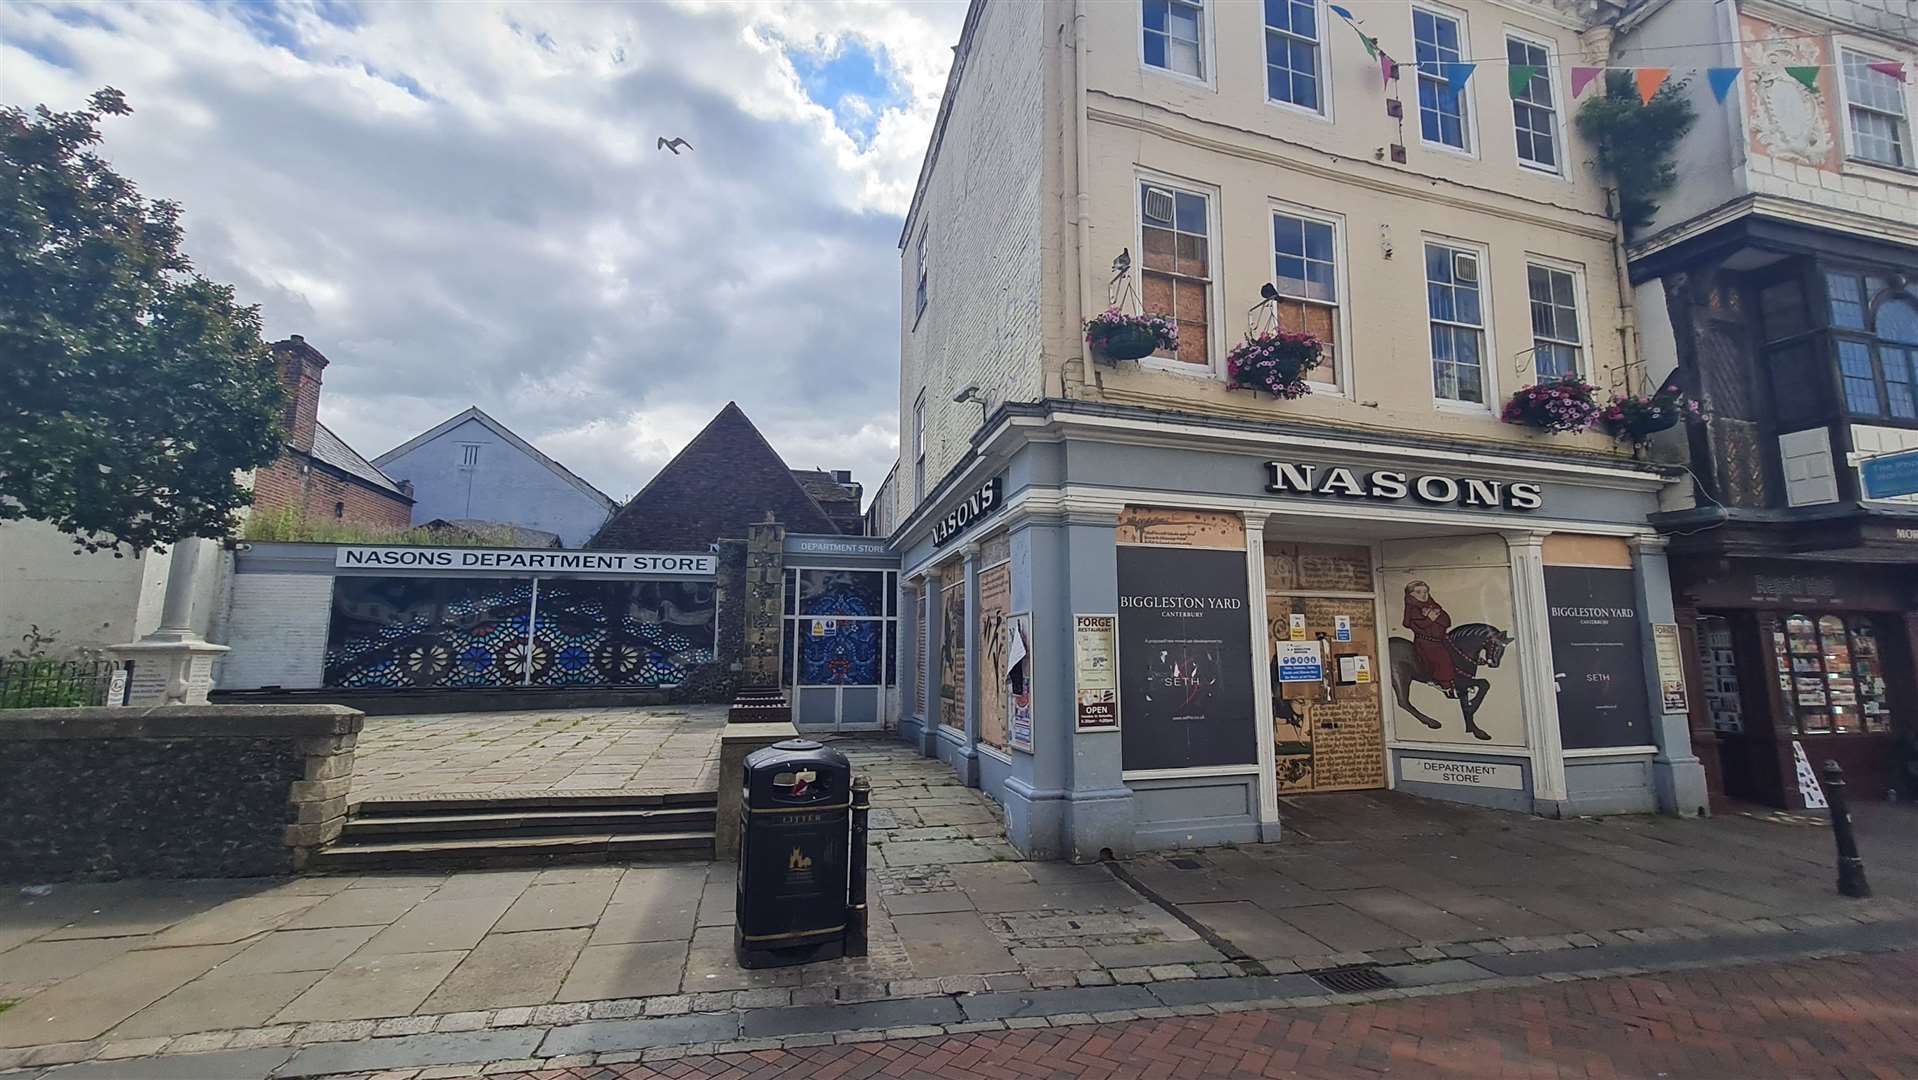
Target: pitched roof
{"type": "Point", "coordinates": [330, 449]}
{"type": "Point", "coordinates": [725, 479]}
{"type": "Point", "coordinates": [821, 485]}
{"type": "Point", "coordinates": [473, 412]}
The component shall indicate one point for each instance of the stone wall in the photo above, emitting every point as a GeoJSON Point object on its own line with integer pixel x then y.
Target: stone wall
{"type": "Point", "coordinates": [717, 683]}
{"type": "Point", "coordinates": [765, 603]}
{"type": "Point", "coordinates": [175, 791]}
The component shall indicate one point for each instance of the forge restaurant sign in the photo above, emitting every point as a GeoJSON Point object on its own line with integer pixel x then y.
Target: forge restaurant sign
{"type": "Point", "coordinates": [1185, 659]}
{"type": "Point", "coordinates": [1598, 657]}
{"type": "Point", "coordinates": [511, 562]}
{"type": "Point", "coordinates": [962, 517]}
{"type": "Point", "coordinates": [1385, 485]}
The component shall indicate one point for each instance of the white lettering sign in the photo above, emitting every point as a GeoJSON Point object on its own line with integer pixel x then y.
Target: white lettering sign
{"type": "Point", "coordinates": [960, 518]}
{"type": "Point", "coordinates": [1292, 478]}
{"type": "Point", "coordinates": [520, 562]}
{"type": "Point", "coordinates": [1481, 774]}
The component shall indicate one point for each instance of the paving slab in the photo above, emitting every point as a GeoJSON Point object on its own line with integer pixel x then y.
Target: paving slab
{"type": "Point", "coordinates": [92, 1003]}
{"type": "Point", "coordinates": [1038, 897]}
{"type": "Point", "coordinates": [557, 907]}
{"type": "Point", "coordinates": [1255, 931]}
{"type": "Point", "coordinates": [372, 906]}
{"type": "Point", "coordinates": [299, 950]}
{"type": "Point", "coordinates": [485, 883]}
{"type": "Point", "coordinates": [1085, 999]}
{"type": "Point", "coordinates": [852, 1017]}
{"type": "Point", "coordinates": [42, 963]}
{"type": "Point", "coordinates": [628, 970]}
{"type": "Point", "coordinates": [927, 903]}
{"type": "Point", "coordinates": [219, 1002]}
{"type": "Point", "coordinates": [1154, 952]}
{"type": "Point", "coordinates": [952, 943]}
{"type": "Point", "coordinates": [219, 1065]}
{"type": "Point", "coordinates": [509, 969]}
{"type": "Point", "coordinates": [614, 1035]}
{"type": "Point", "coordinates": [1438, 971]}
{"type": "Point", "coordinates": [235, 920]}
{"type": "Point", "coordinates": [1248, 988]}
{"type": "Point", "coordinates": [146, 908]}
{"type": "Point", "coordinates": [652, 905]}
{"type": "Point", "coordinates": [436, 925]}
{"type": "Point", "coordinates": [412, 1052]}
{"type": "Point", "coordinates": [373, 987]}
{"type": "Point", "coordinates": [1344, 929]}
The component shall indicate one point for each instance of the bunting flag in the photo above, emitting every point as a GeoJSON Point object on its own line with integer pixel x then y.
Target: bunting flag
{"type": "Point", "coordinates": [1341, 13]}
{"type": "Point", "coordinates": [1888, 67]}
{"type": "Point", "coordinates": [1807, 74]}
{"type": "Point", "coordinates": [1519, 78]}
{"type": "Point", "coordinates": [1388, 70]}
{"type": "Point", "coordinates": [1720, 80]}
{"type": "Point", "coordinates": [1649, 80]}
{"type": "Point", "coordinates": [1582, 77]}
{"type": "Point", "coordinates": [1456, 75]}
{"type": "Point", "coordinates": [1371, 46]}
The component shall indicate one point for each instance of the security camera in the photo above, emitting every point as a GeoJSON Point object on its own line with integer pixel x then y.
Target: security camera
{"type": "Point", "coordinates": [970, 393]}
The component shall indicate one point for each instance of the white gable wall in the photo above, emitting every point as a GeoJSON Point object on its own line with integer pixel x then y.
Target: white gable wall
{"type": "Point", "coordinates": [507, 485]}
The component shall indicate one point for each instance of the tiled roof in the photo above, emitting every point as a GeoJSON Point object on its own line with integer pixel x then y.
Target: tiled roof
{"type": "Point", "coordinates": [822, 487]}
{"type": "Point", "coordinates": [330, 449]}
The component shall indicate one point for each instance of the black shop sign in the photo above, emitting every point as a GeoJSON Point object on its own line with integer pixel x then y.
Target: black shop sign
{"type": "Point", "coordinates": [1598, 657]}
{"type": "Point", "coordinates": [1185, 659]}
{"type": "Point", "coordinates": [962, 517]}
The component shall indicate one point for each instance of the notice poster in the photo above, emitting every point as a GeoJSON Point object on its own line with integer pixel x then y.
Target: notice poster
{"type": "Point", "coordinates": [1095, 671]}
{"type": "Point", "coordinates": [1185, 663]}
{"type": "Point", "coordinates": [1019, 666]}
{"type": "Point", "coordinates": [1597, 657]}
{"type": "Point", "coordinates": [1671, 668]}
{"type": "Point", "coordinates": [1300, 661]}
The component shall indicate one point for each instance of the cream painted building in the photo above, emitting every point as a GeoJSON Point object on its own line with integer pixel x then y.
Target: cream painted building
{"type": "Point", "coordinates": [1146, 605]}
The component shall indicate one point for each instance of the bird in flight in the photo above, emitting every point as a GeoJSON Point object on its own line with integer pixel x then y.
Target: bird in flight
{"type": "Point", "coordinates": [673, 145]}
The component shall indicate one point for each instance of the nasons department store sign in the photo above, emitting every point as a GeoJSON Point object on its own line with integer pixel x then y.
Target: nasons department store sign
{"type": "Point", "coordinates": [977, 505]}
{"type": "Point", "coordinates": [513, 562]}
{"type": "Point", "coordinates": [1387, 485]}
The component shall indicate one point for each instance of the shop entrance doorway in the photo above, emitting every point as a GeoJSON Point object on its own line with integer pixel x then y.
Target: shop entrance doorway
{"type": "Point", "coordinates": [1328, 724]}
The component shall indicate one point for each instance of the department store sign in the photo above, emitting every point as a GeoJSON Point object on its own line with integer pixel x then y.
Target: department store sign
{"type": "Point", "coordinates": [519, 562]}
{"type": "Point", "coordinates": [1387, 485]}
{"type": "Point", "coordinates": [976, 505]}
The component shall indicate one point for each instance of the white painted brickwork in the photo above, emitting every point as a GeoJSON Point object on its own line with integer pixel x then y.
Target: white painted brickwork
{"type": "Point", "coordinates": [277, 630]}
{"type": "Point", "coordinates": [981, 203]}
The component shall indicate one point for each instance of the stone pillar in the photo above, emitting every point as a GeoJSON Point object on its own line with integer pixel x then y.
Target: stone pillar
{"type": "Point", "coordinates": [765, 603]}
{"type": "Point", "coordinates": [1538, 692]}
{"type": "Point", "coordinates": [929, 678]}
{"type": "Point", "coordinates": [965, 756]}
{"type": "Point", "coordinates": [1261, 678]}
{"type": "Point", "coordinates": [1677, 774]}
{"type": "Point", "coordinates": [173, 665]}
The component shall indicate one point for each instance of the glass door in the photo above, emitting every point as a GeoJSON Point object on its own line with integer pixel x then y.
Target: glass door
{"type": "Point", "coordinates": [839, 641]}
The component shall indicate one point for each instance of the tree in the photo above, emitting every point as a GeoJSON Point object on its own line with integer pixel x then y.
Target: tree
{"type": "Point", "coordinates": [1635, 141]}
{"type": "Point", "coordinates": [132, 390]}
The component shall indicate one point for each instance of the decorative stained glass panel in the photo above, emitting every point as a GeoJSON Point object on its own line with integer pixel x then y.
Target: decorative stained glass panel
{"type": "Point", "coordinates": [399, 633]}
{"type": "Point", "coordinates": [621, 633]}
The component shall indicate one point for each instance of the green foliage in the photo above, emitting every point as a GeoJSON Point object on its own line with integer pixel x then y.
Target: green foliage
{"type": "Point", "coordinates": [289, 526]}
{"type": "Point", "coordinates": [1635, 141]}
{"type": "Point", "coordinates": [132, 390]}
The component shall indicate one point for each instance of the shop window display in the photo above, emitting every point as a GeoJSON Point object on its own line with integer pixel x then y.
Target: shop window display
{"type": "Point", "coordinates": [1829, 674]}
{"type": "Point", "coordinates": [1718, 660]}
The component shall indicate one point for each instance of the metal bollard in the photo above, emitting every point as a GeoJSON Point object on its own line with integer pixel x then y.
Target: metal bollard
{"type": "Point", "coordinates": [856, 869]}
{"type": "Point", "coordinates": [1851, 868]}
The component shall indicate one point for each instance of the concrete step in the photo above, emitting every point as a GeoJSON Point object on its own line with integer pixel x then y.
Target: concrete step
{"type": "Point", "coordinates": [560, 821]}
{"type": "Point", "coordinates": [504, 851]}
{"type": "Point", "coordinates": [482, 804]}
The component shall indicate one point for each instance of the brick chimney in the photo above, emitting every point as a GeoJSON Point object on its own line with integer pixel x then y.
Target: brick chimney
{"type": "Point", "coordinates": [300, 366]}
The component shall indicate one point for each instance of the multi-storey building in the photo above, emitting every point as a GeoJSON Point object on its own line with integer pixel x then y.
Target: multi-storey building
{"type": "Point", "coordinates": [1147, 605]}
{"type": "Point", "coordinates": [1780, 279]}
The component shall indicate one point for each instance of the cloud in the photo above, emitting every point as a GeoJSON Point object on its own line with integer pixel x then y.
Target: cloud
{"type": "Point", "coordinates": [464, 205]}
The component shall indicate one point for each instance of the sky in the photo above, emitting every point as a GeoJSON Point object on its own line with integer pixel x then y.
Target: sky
{"type": "Point", "coordinates": [466, 204]}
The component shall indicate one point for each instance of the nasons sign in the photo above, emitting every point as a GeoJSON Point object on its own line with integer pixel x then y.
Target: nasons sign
{"type": "Point", "coordinates": [1386, 485]}
{"type": "Point", "coordinates": [960, 518]}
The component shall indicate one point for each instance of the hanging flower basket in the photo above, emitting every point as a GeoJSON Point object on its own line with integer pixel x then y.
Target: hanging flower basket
{"type": "Point", "coordinates": [1275, 361]}
{"type": "Point", "coordinates": [1564, 405]}
{"type": "Point", "coordinates": [1639, 418]}
{"type": "Point", "coordinates": [1116, 335]}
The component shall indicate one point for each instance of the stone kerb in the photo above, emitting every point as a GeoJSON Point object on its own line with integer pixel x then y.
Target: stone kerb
{"type": "Point", "coordinates": [172, 791]}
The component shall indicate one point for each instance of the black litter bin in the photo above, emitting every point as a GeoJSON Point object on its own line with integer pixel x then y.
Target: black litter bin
{"type": "Point", "coordinates": [793, 841]}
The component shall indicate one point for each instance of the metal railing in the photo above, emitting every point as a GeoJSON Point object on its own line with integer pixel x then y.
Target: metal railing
{"type": "Point", "coordinates": [51, 684]}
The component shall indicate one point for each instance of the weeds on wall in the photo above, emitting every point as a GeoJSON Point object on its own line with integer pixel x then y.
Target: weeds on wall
{"type": "Point", "coordinates": [290, 526]}
{"type": "Point", "coordinates": [1635, 140]}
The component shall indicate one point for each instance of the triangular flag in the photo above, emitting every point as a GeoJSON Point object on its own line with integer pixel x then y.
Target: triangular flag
{"type": "Point", "coordinates": [1807, 74]}
{"type": "Point", "coordinates": [1888, 67]}
{"type": "Point", "coordinates": [1371, 45]}
{"type": "Point", "coordinates": [1721, 80]}
{"type": "Point", "coordinates": [1340, 12]}
{"type": "Point", "coordinates": [1520, 78]}
{"type": "Point", "coordinates": [1582, 77]}
{"type": "Point", "coordinates": [1387, 69]}
{"type": "Point", "coordinates": [1456, 75]}
{"type": "Point", "coordinates": [1649, 80]}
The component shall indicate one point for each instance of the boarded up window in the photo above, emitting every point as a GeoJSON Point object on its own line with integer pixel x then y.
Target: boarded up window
{"type": "Point", "coordinates": [995, 600]}
{"type": "Point", "coordinates": [919, 656]}
{"type": "Point", "coordinates": [952, 651]}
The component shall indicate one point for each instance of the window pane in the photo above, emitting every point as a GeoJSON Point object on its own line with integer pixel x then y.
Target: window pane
{"type": "Point", "coordinates": [1185, 59]}
{"type": "Point", "coordinates": [1861, 389]}
{"type": "Point", "coordinates": [1898, 321]}
{"type": "Point", "coordinates": [1155, 15]}
{"type": "Point", "coordinates": [1155, 49]}
{"type": "Point", "coordinates": [1901, 370]}
{"type": "Point", "coordinates": [1191, 213]}
{"type": "Point", "coordinates": [1288, 235]}
{"type": "Point", "coordinates": [1318, 241]}
{"type": "Point", "coordinates": [1847, 306]}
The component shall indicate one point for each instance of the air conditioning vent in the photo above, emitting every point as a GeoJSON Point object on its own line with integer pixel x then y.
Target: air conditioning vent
{"type": "Point", "coordinates": [1158, 206]}
{"type": "Point", "coordinates": [1464, 268]}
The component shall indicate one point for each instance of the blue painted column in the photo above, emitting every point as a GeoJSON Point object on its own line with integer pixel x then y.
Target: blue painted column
{"type": "Point", "coordinates": [1677, 774]}
{"type": "Point", "coordinates": [965, 752]}
{"type": "Point", "coordinates": [929, 678]}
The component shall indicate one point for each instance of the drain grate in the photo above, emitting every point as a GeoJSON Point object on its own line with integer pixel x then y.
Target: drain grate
{"type": "Point", "coordinates": [1352, 980]}
{"type": "Point", "coordinates": [1187, 864]}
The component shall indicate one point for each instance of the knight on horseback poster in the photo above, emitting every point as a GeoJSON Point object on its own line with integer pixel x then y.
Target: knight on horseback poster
{"type": "Point", "coordinates": [1455, 673]}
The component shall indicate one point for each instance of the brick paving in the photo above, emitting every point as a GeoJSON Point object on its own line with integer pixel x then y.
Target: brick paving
{"type": "Point", "coordinates": [1851, 1017]}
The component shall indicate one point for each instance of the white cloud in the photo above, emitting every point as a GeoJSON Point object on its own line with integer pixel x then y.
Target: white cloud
{"type": "Point", "coordinates": [464, 205]}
